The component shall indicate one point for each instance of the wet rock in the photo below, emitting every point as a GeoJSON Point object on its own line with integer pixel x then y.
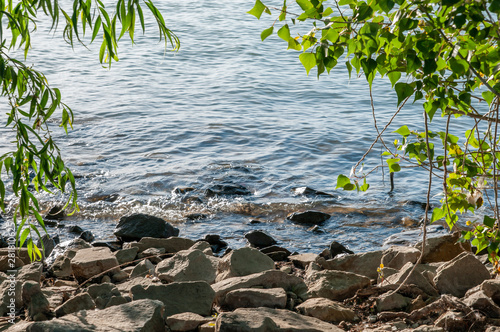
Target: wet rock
{"type": "Point", "coordinates": [302, 260]}
{"type": "Point", "coordinates": [182, 190]}
{"type": "Point", "coordinates": [443, 248]}
{"type": "Point", "coordinates": [186, 321]}
{"type": "Point", "coordinates": [31, 272]}
{"type": "Point", "coordinates": [335, 285]}
{"type": "Point", "coordinates": [62, 247]}
{"type": "Point", "coordinates": [451, 279]}
{"type": "Point", "coordinates": [87, 236]}
{"type": "Point", "coordinates": [266, 279]}
{"type": "Point", "coordinates": [143, 269]}
{"type": "Point", "coordinates": [178, 297]}
{"type": "Point", "coordinates": [337, 249]}
{"type": "Point", "coordinates": [242, 262]}
{"type": "Point", "coordinates": [272, 249]}
{"type": "Point", "coordinates": [196, 216]}
{"type": "Point", "coordinates": [188, 265]}
{"type": "Point", "coordinates": [92, 261]}
{"type": "Point", "coordinates": [35, 301]}
{"type": "Point", "coordinates": [126, 255]}
{"type": "Point", "coordinates": [215, 241]}
{"type": "Point", "coordinates": [327, 310]}
{"type": "Point", "coordinates": [365, 264]}
{"type": "Point", "coordinates": [254, 298]}
{"type": "Point", "coordinates": [111, 245]}
{"type": "Point", "coordinates": [259, 239]}
{"type": "Point", "coordinates": [316, 229]}
{"type": "Point", "coordinates": [416, 279]}
{"type": "Point", "coordinates": [79, 302]}
{"type": "Point", "coordinates": [484, 304]}
{"type": "Point", "coordinates": [309, 192]}
{"type": "Point", "coordinates": [171, 245]}
{"type": "Point", "coordinates": [267, 319]}
{"type": "Point", "coordinates": [137, 226]}
{"type": "Point", "coordinates": [392, 302]}
{"type": "Point", "coordinates": [308, 217]}
{"type": "Point", "coordinates": [227, 190]}
{"type": "Point", "coordinates": [56, 213]}
{"type": "Point", "coordinates": [397, 256]}
{"type": "Point", "coordinates": [75, 229]}
{"type": "Point", "coordinates": [48, 244]}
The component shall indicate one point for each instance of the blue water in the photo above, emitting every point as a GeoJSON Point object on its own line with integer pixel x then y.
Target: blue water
{"type": "Point", "coordinates": [225, 108]}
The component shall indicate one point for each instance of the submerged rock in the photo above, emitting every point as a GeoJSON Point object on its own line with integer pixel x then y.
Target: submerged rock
{"type": "Point", "coordinates": [259, 239]}
{"type": "Point", "coordinates": [136, 226]}
{"type": "Point", "coordinates": [309, 192]}
{"type": "Point", "coordinates": [308, 217]}
{"type": "Point", "coordinates": [227, 190]}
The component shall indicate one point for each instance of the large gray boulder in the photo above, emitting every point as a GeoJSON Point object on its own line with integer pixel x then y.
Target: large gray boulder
{"type": "Point", "coordinates": [270, 320]}
{"type": "Point", "coordinates": [188, 265]}
{"type": "Point", "coordinates": [178, 297]}
{"type": "Point", "coordinates": [90, 262]}
{"type": "Point", "coordinates": [335, 285]}
{"type": "Point", "coordinates": [136, 226]}
{"type": "Point", "coordinates": [365, 264]}
{"type": "Point", "coordinates": [242, 262]}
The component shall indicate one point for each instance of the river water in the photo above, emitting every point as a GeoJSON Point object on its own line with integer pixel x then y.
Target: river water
{"type": "Point", "coordinates": [226, 108]}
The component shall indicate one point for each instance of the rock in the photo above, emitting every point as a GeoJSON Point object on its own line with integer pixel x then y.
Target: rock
{"type": "Point", "coordinates": [242, 262]}
{"type": "Point", "coordinates": [215, 241]}
{"type": "Point", "coordinates": [365, 264]}
{"type": "Point", "coordinates": [90, 262]}
{"type": "Point", "coordinates": [61, 268]}
{"type": "Point", "coordinates": [79, 302]}
{"type": "Point", "coordinates": [203, 246]}
{"type": "Point", "coordinates": [278, 256]}
{"type": "Point", "coordinates": [75, 229]}
{"type": "Point", "coordinates": [302, 260]}
{"type": "Point", "coordinates": [337, 249]}
{"type": "Point", "coordinates": [139, 316]}
{"type": "Point", "coordinates": [227, 190]}
{"type": "Point", "coordinates": [5, 263]}
{"type": "Point", "coordinates": [171, 245]}
{"type": "Point", "coordinates": [187, 265]}
{"type": "Point", "coordinates": [119, 276]}
{"type": "Point", "coordinates": [273, 248]}
{"type": "Point", "coordinates": [309, 192]}
{"type": "Point", "coordinates": [126, 255]}
{"type": "Point", "coordinates": [392, 302]}
{"type": "Point", "coordinates": [136, 226]}
{"type": "Point", "coordinates": [480, 301]}
{"type": "Point", "coordinates": [87, 236]}
{"type": "Point", "coordinates": [186, 321]}
{"type": "Point", "coordinates": [266, 279]}
{"type": "Point", "coordinates": [143, 269]}
{"type": "Point", "coordinates": [443, 248]}
{"type": "Point", "coordinates": [335, 285]}
{"type": "Point", "coordinates": [56, 213]}
{"type": "Point", "coordinates": [196, 216]}
{"type": "Point", "coordinates": [48, 244]}
{"type": "Point", "coordinates": [31, 272]}
{"type": "Point", "coordinates": [182, 190]}
{"type": "Point", "coordinates": [35, 301]}
{"type": "Point", "coordinates": [63, 247]}
{"type": "Point", "coordinates": [10, 292]}
{"type": "Point", "coordinates": [267, 319]}
{"type": "Point", "coordinates": [153, 254]}
{"type": "Point", "coordinates": [178, 297]}
{"type": "Point", "coordinates": [207, 327]}
{"type": "Point", "coordinates": [327, 310]}
{"type": "Point", "coordinates": [451, 279]}
{"type": "Point", "coordinates": [21, 253]}
{"type": "Point", "coordinates": [416, 279]}
{"type": "Point", "coordinates": [254, 298]}
{"type": "Point", "coordinates": [397, 256]}
{"type": "Point", "coordinates": [492, 289]}
{"type": "Point", "coordinates": [453, 321]}
{"type": "Point", "coordinates": [308, 217]}
{"type": "Point", "coordinates": [105, 295]}
{"type": "Point", "coordinates": [259, 239]}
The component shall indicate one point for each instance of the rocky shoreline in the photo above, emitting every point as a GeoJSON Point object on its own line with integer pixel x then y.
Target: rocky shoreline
{"type": "Point", "coordinates": [154, 280]}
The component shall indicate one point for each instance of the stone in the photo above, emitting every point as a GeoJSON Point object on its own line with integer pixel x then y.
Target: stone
{"type": "Point", "coordinates": [254, 298]}
{"type": "Point", "coordinates": [49, 243]}
{"type": "Point", "coordinates": [56, 213]}
{"type": "Point", "coordinates": [207, 327]}
{"type": "Point", "coordinates": [259, 239]}
{"type": "Point", "coordinates": [392, 302]}
{"type": "Point", "coordinates": [365, 264]}
{"type": "Point", "coordinates": [56, 295]}
{"type": "Point", "coordinates": [5, 263]}
{"type": "Point", "coordinates": [480, 301]}
{"type": "Point", "coordinates": [302, 260]}
{"type": "Point", "coordinates": [278, 256]}
{"type": "Point", "coordinates": [21, 253]}
{"type": "Point", "coordinates": [75, 229]}
{"type": "Point", "coordinates": [270, 320]}
{"type": "Point", "coordinates": [126, 255]}
{"type": "Point", "coordinates": [10, 291]}
{"type": "Point", "coordinates": [138, 316]}
{"type": "Point", "coordinates": [63, 247]}
{"type": "Point", "coordinates": [397, 256]}
{"type": "Point", "coordinates": [178, 297]}
{"type": "Point", "coordinates": [308, 217]}
{"type": "Point", "coordinates": [337, 249]}
{"type": "Point", "coordinates": [90, 262]}
{"type": "Point", "coordinates": [416, 279]}
{"type": "Point", "coordinates": [227, 190]}
{"type": "Point", "coordinates": [35, 301]}
{"type": "Point", "coordinates": [186, 321]}
{"type": "Point", "coordinates": [266, 279]}
{"type": "Point", "coordinates": [31, 272]}
{"type": "Point", "coordinates": [102, 294]}
{"type": "Point", "coordinates": [87, 236]}
{"type": "Point", "coordinates": [327, 310]}
{"type": "Point", "coordinates": [119, 276]}
{"type": "Point", "coordinates": [451, 279]}
{"type": "Point", "coordinates": [452, 321]}
{"type": "Point", "coordinates": [61, 268]}
{"type": "Point", "coordinates": [274, 248]}
{"type": "Point", "coordinates": [136, 226]}
{"type": "Point", "coordinates": [215, 241]}
{"type": "Point", "coordinates": [171, 245]}
{"type": "Point", "coordinates": [242, 262]}
{"type": "Point", "coordinates": [335, 285]}
{"type": "Point", "coordinates": [443, 248]}
{"type": "Point", "coordinates": [203, 246]}
{"type": "Point", "coordinates": [79, 302]}
{"type": "Point", "coordinates": [309, 192]}
{"type": "Point", "coordinates": [187, 265]}
{"type": "Point", "coordinates": [153, 254]}
{"type": "Point", "coordinates": [143, 269]}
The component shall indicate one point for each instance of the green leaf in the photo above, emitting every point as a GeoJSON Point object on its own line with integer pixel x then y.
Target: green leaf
{"type": "Point", "coordinates": [308, 60]}
{"type": "Point", "coordinates": [342, 180]}
{"type": "Point", "coordinates": [403, 131]}
{"type": "Point", "coordinates": [437, 214]}
{"type": "Point", "coordinates": [403, 90]}
{"type": "Point", "coordinates": [393, 165]}
{"type": "Point", "coordinates": [394, 76]}
{"type": "Point", "coordinates": [284, 32]}
{"type": "Point", "coordinates": [386, 5]}
{"type": "Point", "coordinates": [489, 222]}
{"type": "Point", "coordinates": [294, 45]}
{"type": "Point", "coordinates": [495, 6]}
{"type": "Point", "coordinates": [266, 33]}
{"type": "Point", "coordinates": [257, 9]}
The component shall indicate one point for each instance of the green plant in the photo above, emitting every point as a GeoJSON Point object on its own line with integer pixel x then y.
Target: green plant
{"type": "Point", "coordinates": [444, 53]}
{"type": "Point", "coordinates": [35, 163]}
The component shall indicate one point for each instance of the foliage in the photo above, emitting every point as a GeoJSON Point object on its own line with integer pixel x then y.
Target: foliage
{"type": "Point", "coordinates": [36, 164]}
{"type": "Point", "coordinates": [444, 53]}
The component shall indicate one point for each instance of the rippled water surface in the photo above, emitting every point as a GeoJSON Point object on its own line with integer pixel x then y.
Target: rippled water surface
{"type": "Point", "coordinates": [226, 108]}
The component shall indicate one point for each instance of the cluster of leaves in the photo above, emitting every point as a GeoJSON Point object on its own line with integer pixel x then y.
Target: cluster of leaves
{"type": "Point", "coordinates": [35, 163]}
{"type": "Point", "coordinates": [444, 53]}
